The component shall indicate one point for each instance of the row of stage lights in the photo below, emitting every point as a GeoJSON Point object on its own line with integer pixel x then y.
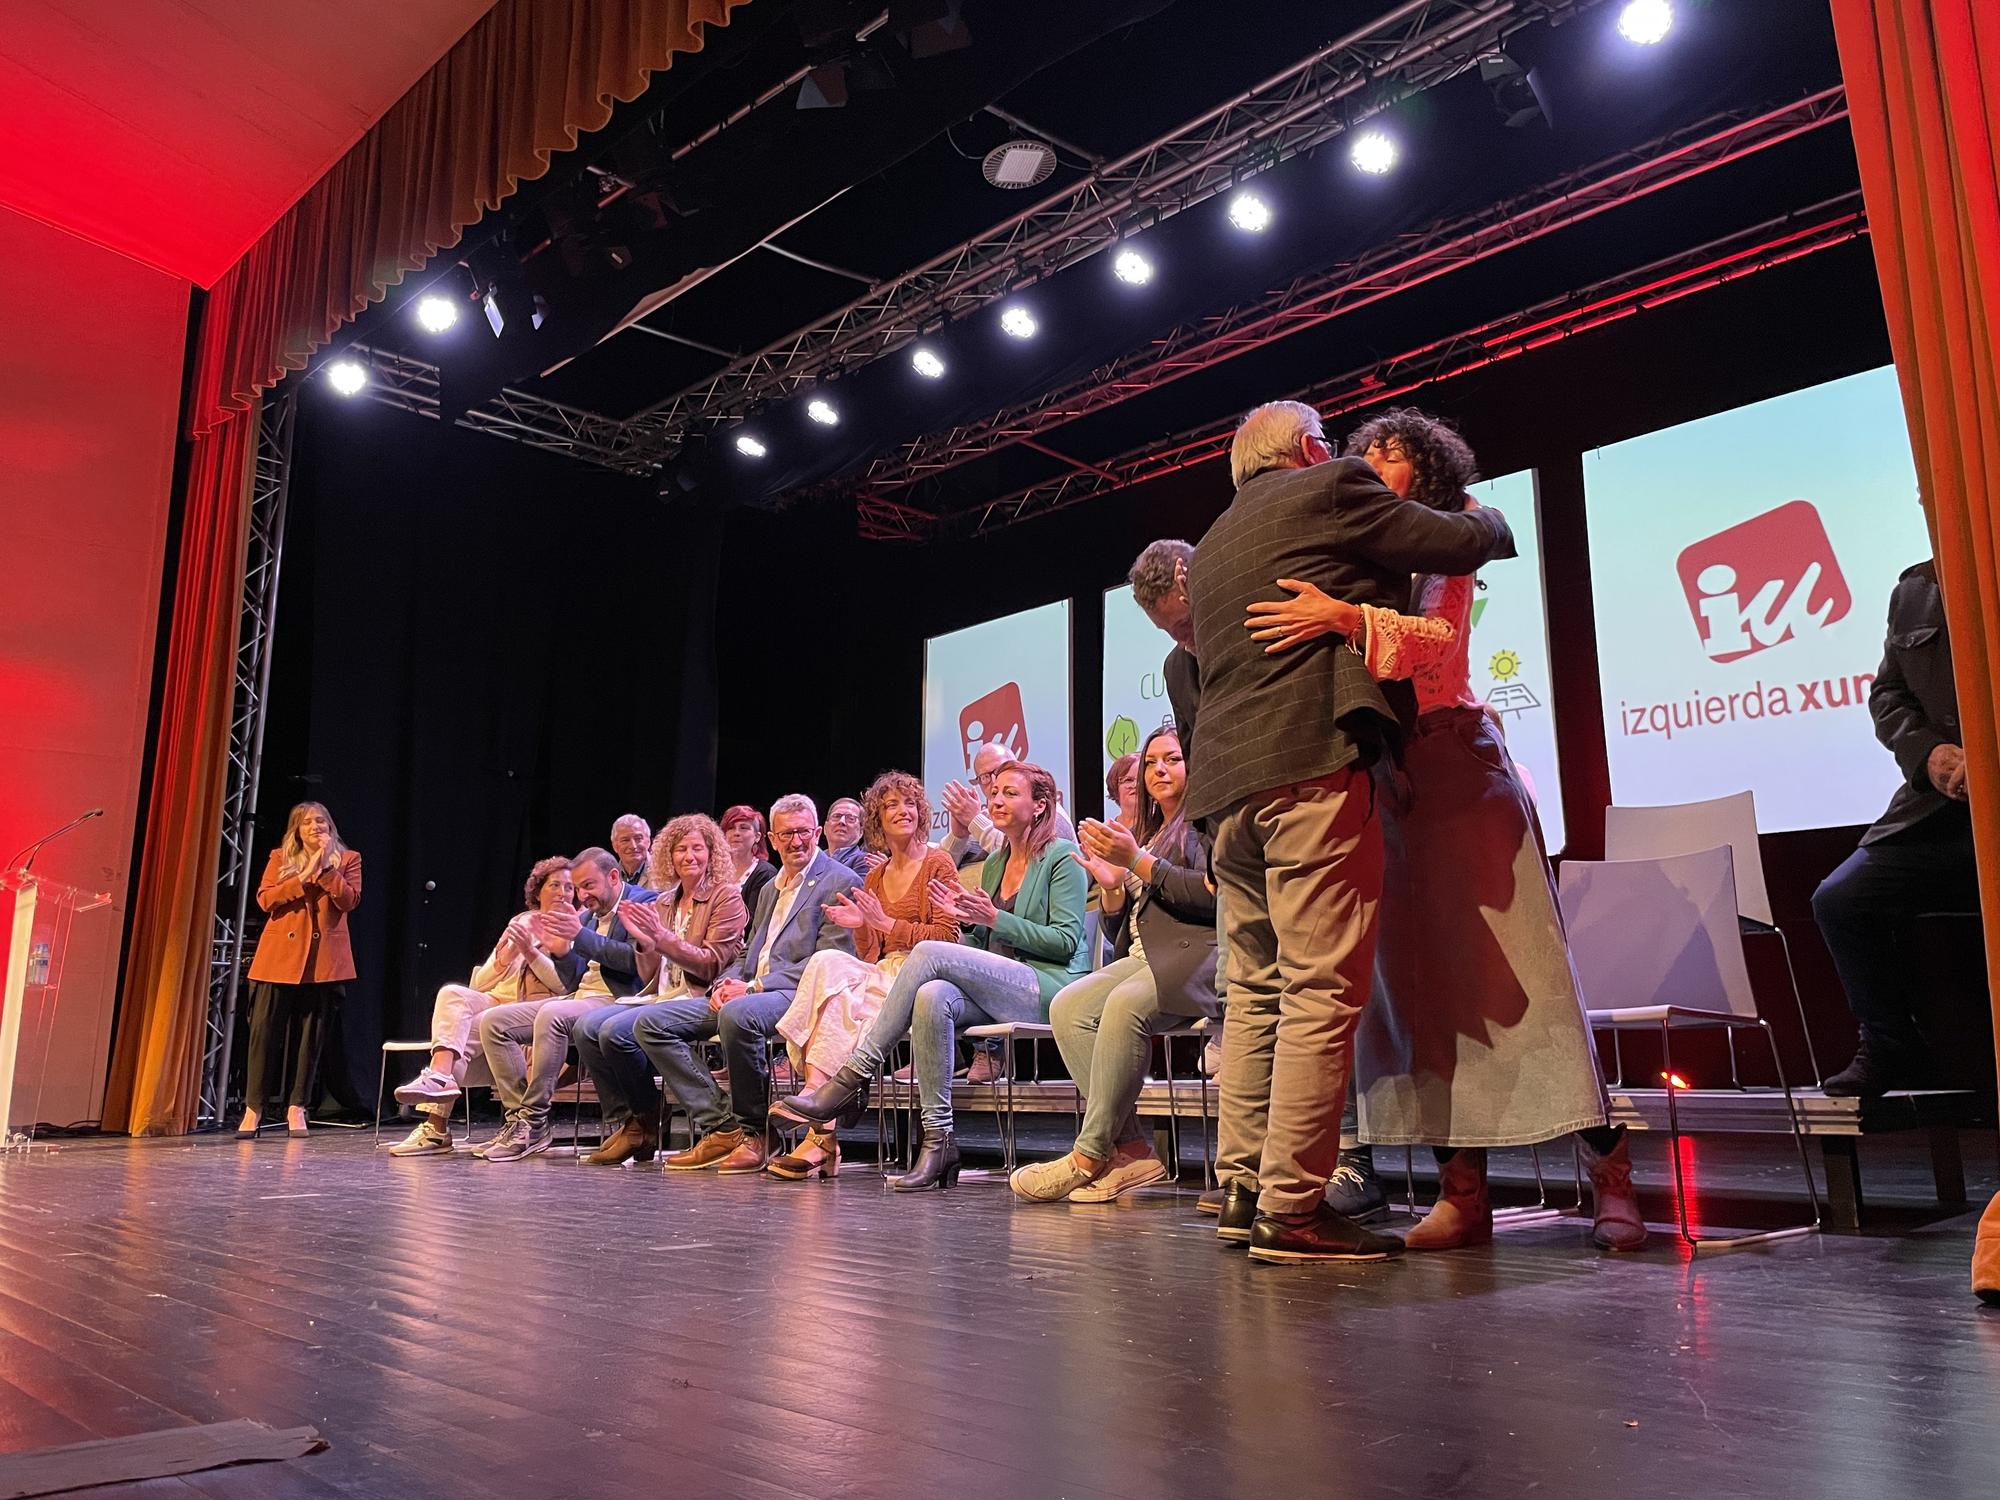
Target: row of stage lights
{"type": "Point", "coordinates": [1374, 151]}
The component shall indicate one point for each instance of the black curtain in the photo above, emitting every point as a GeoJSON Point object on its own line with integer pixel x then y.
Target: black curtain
{"type": "Point", "coordinates": [485, 655]}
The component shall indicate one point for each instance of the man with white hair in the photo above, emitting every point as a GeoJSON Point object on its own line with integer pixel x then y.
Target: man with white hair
{"type": "Point", "coordinates": [632, 842]}
{"type": "Point", "coordinates": [744, 1004]}
{"type": "Point", "coordinates": [1282, 769]}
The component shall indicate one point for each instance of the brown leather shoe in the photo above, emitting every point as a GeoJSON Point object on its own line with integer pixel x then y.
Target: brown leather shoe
{"type": "Point", "coordinates": [748, 1157]}
{"type": "Point", "coordinates": [710, 1151]}
{"type": "Point", "coordinates": [987, 1067]}
{"type": "Point", "coordinates": [634, 1141]}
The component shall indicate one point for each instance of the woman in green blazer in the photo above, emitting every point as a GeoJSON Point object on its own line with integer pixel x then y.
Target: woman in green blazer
{"type": "Point", "coordinates": [1021, 941]}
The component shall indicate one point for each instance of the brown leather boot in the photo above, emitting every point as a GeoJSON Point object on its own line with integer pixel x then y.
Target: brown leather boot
{"type": "Point", "coordinates": [634, 1141]}
{"type": "Point", "coordinates": [1986, 1255]}
{"type": "Point", "coordinates": [1462, 1214]}
{"type": "Point", "coordinates": [1616, 1223]}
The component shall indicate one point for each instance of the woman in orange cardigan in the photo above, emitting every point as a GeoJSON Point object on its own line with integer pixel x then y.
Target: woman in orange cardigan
{"type": "Point", "coordinates": [311, 883]}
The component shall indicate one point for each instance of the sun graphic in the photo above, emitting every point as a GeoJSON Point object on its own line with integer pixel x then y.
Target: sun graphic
{"type": "Point", "coordinates": [1505, 666]}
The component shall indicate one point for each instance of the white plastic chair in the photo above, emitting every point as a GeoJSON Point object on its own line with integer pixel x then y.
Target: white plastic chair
{"type": "Point", "coordinates": [1657, 944]}
{"type": "Point", "coordinates": [1687, 827]}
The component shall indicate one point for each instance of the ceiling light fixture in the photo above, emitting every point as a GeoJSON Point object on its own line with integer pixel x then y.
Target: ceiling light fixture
{"type": "Point", "coordinates": [436, 313]}
{"type": "Point", "coordinates": [1645, 22]}
{"type": "Point", "coordinates": [1373, 152]}
{"type": "Point", "coordinates": [1132, 268]}
{"type": "Point", "coordinates": [1017, 322]}
{"type": "Point", "coordinates": [749, 447]}
{"type": "Point", "coordinates": [821, 411]}
{"type": "Point", "coordinates": [346, 376]}
{"type": "Point", "coordinates": [1249, 213]}
{"type": "Point", "coordinates": [926, 364]}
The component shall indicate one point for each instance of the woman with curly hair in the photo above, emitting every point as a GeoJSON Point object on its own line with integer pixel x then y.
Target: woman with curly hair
{"type": "Point", "coordinates": [895, 908]}
{"type": "Point", "coordinates": [1476, 1035]}
{"type": "Point", "coordinates": [1023, 943]}
{"type": "Point", "coordinates": [519, 970]}
{"type": "Point", "coordinates": [681, 941]}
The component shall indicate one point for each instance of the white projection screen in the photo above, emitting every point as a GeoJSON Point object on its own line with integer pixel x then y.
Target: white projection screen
{"type": "Point", "coordinates": [1135, 694]}
{"type": "Point", "coordinates": [1741, 567]}
{"type": "Point", "coordinates": [1510, 657]}
{"type": "Point", "coordinates": [1006, 680]}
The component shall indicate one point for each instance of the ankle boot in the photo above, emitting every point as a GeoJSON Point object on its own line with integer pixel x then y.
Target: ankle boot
{"type": "Point", "coordinates": [1462, 1214]}
{"type": "Point", "coordinates": [831, 1099]}
{"type": "Point", "coordinates": [1616, 1223]}
{"type": "Point", "coordinates": [937, 1165]}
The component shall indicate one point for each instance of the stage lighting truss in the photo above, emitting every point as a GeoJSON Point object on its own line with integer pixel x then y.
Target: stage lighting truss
{"type": "Point", "coordinates": [1249, 213]}
{"type": "Point", "coordinates": [236, 867]}
{"type": "Point", "coordinates": [1412, 47]}
{"type": "Point", "coordinates": [1132, 268]}
{"type": "Point", "coordinates": [1776, 242]}
{"type": "Point", "coordinates": [1646, 22]}
{"type": "Point", "coordinates": [436, 314]}
{"type": "Point", "coordinates": [918, 468]}
{"type": "Point", "coordinates": [1017, 322]}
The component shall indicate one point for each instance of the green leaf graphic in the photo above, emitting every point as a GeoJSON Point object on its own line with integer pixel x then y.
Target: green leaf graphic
{"type": "Point", "coordinates": [1478, 609]}
{"type": "Point", "coordinates": [1122, 738]}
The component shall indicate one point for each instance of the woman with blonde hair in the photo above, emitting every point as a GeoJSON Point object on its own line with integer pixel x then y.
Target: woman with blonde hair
{"type": "Point", "coordinates": [303, 960]}
{"type": "Point", "coordinates": [895, 908]}
{"type": "Point", "coordinates": [681, 942]}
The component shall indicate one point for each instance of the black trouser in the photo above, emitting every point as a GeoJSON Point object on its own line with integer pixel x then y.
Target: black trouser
{"type": "Point", "coordinates": [287, 1018]}
{"type": "Point", "coordinates": [1866, 907]}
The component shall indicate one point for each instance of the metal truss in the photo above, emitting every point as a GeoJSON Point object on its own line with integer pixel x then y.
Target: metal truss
{"type": "Point", "coordinates": [1762, 247]}
{"type": "Point", "coordinates": [1318, 297]}
{"type": "Point", "coordinates": [235, 870]}
{"type": "Point", "coordinates": [1412, 47]}
{"type": "Point", "coordinates": [412, 385]}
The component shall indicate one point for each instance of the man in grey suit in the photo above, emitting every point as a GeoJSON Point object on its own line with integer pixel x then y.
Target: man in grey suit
{"type": "Point", "coordinates": [747, 999]}
{"type": "Point", "coordinates": [1282, 766]}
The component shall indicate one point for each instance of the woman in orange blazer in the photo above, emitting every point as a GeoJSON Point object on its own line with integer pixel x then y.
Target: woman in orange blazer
{"type": "Point", "coordinates": [310, 885]}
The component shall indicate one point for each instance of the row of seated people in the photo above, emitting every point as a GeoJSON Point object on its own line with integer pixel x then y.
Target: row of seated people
{"type": "Point", "coordinates": [839, 959]}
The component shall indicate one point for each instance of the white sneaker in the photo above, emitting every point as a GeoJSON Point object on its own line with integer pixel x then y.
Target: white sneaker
{"type": "Point", "coordinates": [1122, 1178]}
{"type": "Point", "coordinates": [428, 1139]}
{"type": "Point", "coordinates": [428, 1087]}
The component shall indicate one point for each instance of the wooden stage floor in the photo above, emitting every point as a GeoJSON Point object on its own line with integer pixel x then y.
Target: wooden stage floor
{"type": "Point", "coordinates": [548, 1329]}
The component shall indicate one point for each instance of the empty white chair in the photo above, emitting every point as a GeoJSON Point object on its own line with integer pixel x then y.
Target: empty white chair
{"type": "Point", "coordinates": [1688, 827]}
{"type": "Point", "coordinates": [1657, 946]}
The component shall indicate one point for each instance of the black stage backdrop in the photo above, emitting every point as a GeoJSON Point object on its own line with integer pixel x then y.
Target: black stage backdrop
{"type": "Point", "coordinates": [486, 653]}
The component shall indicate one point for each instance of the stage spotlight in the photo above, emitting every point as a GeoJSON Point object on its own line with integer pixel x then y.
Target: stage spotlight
{"type": "Point", "coordinates": [346, 376]}
{"type": "Point", "coordinates": [821, 411]}
{"type": "Point", "coordinates": [926, 364]}
{"type": "Point", "coordinates": [1645, 22]}
{"type": "Point", "coordinates": [436, 313]}
{"type": "Point", "coordinates": [1017, 322]}
{"type": "Point", "coordinates": [749, 447]}
{"type": "Point", "coordinates": [1249, 213]}
{"type": "Point", "coordinates": [1132, 268]}
{"type": "Point", "coordinates": [1373, 152]}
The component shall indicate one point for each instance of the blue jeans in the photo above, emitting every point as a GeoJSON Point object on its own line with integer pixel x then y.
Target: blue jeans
{"type": "Point", "coordinates": [666, 1034]}
{"type": "Point", "coordinates": [942, 989]}
{"type": "Point", "coordinates": [746, 1024]}
{"type": "Point", "coordinates": [622, 1074]}
{"type": "Point", "coordinates": [1105, 1024]}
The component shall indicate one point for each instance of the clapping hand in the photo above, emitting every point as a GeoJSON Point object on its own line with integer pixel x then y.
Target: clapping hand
{"type": "Point", "coordinates": [1308, 615]}
{"type": "Point", "coordinates": [557, 928]}
{"type": "Point", "coordinates": [1110, 843]}
{"type": "Point", "coordinates": [521, 933]}
{"type": "Point", "coordinates": [643, 924]}
{"type": "Point", "coordinates": [968, 905]}
{"type": "Point", "coordinates": [1106, 874]}
{"type": "Point", "coordinates": [962, 805]}
{"type": "Point", "coordinates": [871, 861]}
{"type": "Point", "coordinates": [872, 911]}
{"type": "Point", "coordinates": [846, 913]}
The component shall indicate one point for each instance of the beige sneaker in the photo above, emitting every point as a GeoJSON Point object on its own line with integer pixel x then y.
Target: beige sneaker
{"type": "Point", "coordinates": [428, 1139]}
{"type": "Point", "coordinates": [1050, 1181]}
{"type": "Point", "coordinates": [1124, 1176]}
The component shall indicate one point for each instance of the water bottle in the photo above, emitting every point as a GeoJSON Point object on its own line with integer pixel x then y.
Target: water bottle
{"type": "Point", "coordinates": [38, 963]}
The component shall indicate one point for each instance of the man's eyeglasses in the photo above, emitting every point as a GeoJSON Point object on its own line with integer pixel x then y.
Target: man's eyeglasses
{"type": "Point", "coordinates": [796, 836]}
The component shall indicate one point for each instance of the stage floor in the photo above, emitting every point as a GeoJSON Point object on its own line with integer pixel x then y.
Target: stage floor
{"type": "Point", "coordinates": [549, 1329]}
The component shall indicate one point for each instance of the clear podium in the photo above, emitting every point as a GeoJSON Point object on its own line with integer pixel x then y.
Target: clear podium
{"type": "Point", "coordinates": [35, 917]}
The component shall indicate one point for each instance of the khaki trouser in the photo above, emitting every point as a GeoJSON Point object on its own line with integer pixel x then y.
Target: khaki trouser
{"type": "Point", "coordinates": [1300, 875]}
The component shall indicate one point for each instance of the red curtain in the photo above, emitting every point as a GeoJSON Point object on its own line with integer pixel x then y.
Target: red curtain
{"type": "Point", "coordinates": [525, 82]}
{"type": "Point", "coordinates": [1923, 86]}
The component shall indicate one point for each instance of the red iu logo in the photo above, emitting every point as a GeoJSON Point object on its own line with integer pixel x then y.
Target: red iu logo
{"type": "Point", "coordinates": [1763, 581]}
{"type": "Point", "coordinates": [997, 716]}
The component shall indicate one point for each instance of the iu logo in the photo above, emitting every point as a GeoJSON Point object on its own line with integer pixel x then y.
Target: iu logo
{"type": "Point", "coordinates": [997, 716]}
{"type": "Point", "coordinates": [1763, 581]}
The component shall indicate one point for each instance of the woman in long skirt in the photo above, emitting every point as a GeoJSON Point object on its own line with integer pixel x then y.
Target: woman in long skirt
{"type": "Point", "coordinates": [1475, 1035]}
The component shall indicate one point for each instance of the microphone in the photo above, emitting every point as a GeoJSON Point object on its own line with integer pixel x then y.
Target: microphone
{"type": "Point", "coordinates": [26, 857]}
